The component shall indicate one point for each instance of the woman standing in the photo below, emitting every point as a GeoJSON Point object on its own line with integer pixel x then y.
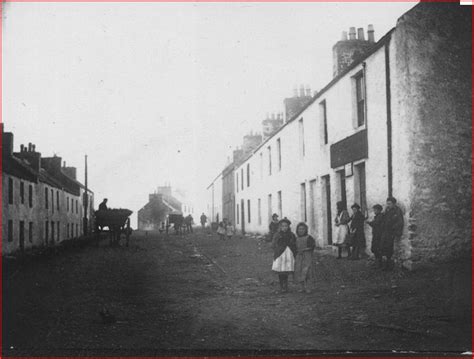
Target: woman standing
{"type": "Point", "coordinates": [357, 231]}
{"type": "Point", "coordinates": [284, 250]}
{"type": "Point", "coordinates": [305, 245]}
{"type": "Point", "coordinates": [342, 229]}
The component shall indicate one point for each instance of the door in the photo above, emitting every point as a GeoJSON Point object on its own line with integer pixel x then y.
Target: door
{"type": "Point", "coordinates": [242, 215]}
{"type": "Point", "coordinates": [327, 196]}
{"type": "Point", "coordinates": [22, 235]}
{"type": "Point", "coordinates": [312, 206]}
{"type": "Point", "coordinates": [342, 184]}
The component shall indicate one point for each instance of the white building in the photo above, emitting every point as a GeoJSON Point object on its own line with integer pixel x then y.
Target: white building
{"type": "Point", "coordinates": [372, 132]}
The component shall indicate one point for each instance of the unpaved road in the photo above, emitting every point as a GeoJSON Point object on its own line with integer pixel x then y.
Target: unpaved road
{"type": "Point", "coordinates": [196, 295]}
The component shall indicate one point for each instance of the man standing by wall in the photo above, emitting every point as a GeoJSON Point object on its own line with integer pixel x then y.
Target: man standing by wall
{"type": "Point", "coordinates": [392, 230]}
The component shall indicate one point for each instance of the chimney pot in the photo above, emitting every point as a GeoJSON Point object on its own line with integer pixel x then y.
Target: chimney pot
{"type": "Point", "coordinates": [29, 147]}
{"type": "Point", "coordinates": [371, 33]}
{"type": "Point", "coordinates": [308, 91]}
{"type": "Point", "coordinates": [360, 33]}
{"type": "Point", "coordinates": [22, 148]}
{"type": "Point", "coordinates": [33, 148]}
{"type": "Point", "coordinates": [344, 36]}
{"type": "Point", "coordinates": [352, 33]}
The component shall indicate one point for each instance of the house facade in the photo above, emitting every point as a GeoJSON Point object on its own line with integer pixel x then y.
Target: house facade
{"type": "Point", "coordinates": [42, 202]}
{"type": "Point", "coordinates": [396, 120]}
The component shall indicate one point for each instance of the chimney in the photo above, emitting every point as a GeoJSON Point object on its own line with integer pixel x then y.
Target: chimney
{"type": "Point", "coordinates": [352, 33]}
{"type": "Point", "coordinates": [29, 147]}
{"type": "Point", "coordinates": [71, 172]}
{"type": "Point", "coordinates": [7, 143]}
{"type": "Point", "coordinates": [22, 148]}
{"type": "Point", "coordinates": [371, 33]}
{"type": "Point", "coordinates": [64, 164]}
{"type": "Point", "coordinates": [33, 148]}
{"type": "Point", "coordinates": [360, 34]}
{"type": "Point", "coordinates": [301, 91]}
{"type": "Point", "coordinates": [308, 91]}
{"type": "Point", "coordinates": [344, 36]}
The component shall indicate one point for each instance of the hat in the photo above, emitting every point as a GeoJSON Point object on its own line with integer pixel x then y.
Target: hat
{"type": "Point", "coordinates": [284, 220]}
{"type": "Point", "coordinates": [377, 206]}
{"type": "Point", "coordinates": [274, 215]}
{"type": "Point", "coordinates": [355, 205]}
{"type": "Point", "coordinates": [392, 199]}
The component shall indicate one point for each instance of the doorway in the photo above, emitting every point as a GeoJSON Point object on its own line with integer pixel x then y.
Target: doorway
{"type": "Point", "coordinates": [242, 215]}
{"type": "Point", "coordinates": [326, 201]}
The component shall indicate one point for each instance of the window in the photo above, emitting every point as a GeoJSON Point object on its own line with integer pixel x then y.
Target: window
{"type": "Point", "coordinates": [10, 191]}
{"type": "Point", "coordinates": [67, 231]}
{"type": "Point", "coordinates": [360, 98]}
{"type": "Point", "coordinates": [46, 232]}
{"type": "Point", "coordinates": [237, 215]}
{"type": "Point", "coordinates": [22, 193]}
{"type": "Point", "coordinates": [52, 232]}
{"type": "Point", "coordinates": [237, 182]}
{"type": "Point", "coordinates": [303, 203]}
{"type": "Point", "coordinates": [342, 186]}
{"type": "Point", "coordinates": [57, 200]}
{"type": "Point", "coordinates": [67, 204]}
{"type": "Point", "coordinates": [248, 210]}
{"type": "Point", "coordinates": [242, 179]}
{"type": "Point", "coordinates": [77, 206]}
{"type": "Point", "coordinates": [57, 227]}
{"type": "Point", "coordinates": [270, 208]}
{"type": "Point", "coordinates": [30, 232]}
{"type": "Point", "coordinates": [324, 121]}
{"type": "Point", "coordinates": [72, 230]}
{"type": "Point", "coordinates": [301, 136]}
{"type": "Point", "coordinates": [269, 149]}
{"type": "Point", "coordinates": [261, 164]}
{"type": "Point", "coordinates": [52, 200]}
{"type": "Point", "coordinates": [77, 230]}
{"type": "Point", "coordinates": [46, 200]}
{"type": "Point", "coordinates": [280, 205]}
{"type": "Point", "coordinates": [30, 196]}
{"type": "Point", "coordinates": [10, 231]}
{"type": "Point", "coordinates": [279, 154]}
{"type": "Point", "coordinates": [248, 174]}
{"type": "Point", "coordinates": [259, 211]}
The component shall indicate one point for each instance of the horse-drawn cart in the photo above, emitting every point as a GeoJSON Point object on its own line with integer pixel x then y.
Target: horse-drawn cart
{"type": "Point", "coordinates": [117, 221]}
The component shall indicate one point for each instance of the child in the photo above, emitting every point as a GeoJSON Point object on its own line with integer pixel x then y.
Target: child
{"type": "Point", "coordinates": [377, 228]}
{"type": "Point", "coordinates": [305, 245]}
{"type": "Point", "coordinates": [357, 231]}
{"type": "Point", "coordinates": [230, 230]}
{"type": "Point", "coordinates": [221, 231]}
{"type": "Point", "coordinates": [284, 250]}
{"type": "Point", "coordinates": [342, 229]}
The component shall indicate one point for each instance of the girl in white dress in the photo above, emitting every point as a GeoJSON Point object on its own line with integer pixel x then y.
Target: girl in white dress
{"type": "Point", "coordinates": [342, 229]}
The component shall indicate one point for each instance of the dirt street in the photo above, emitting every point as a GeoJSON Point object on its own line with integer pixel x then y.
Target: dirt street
{"type": "Point", "coordinates": [196, 295]}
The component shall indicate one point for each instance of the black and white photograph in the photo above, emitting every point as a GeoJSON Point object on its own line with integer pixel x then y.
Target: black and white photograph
{"type": "Point", "coordinates": [225, 179]}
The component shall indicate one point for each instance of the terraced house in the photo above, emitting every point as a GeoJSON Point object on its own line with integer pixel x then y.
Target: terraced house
{"type": "Point", "coordinates": [395, 120]}
{"type": "Point", "coordinates": [42, 202]}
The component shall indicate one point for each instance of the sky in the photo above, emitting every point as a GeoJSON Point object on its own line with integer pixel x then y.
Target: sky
{"type": "Point", "coordinates": [159, 93]}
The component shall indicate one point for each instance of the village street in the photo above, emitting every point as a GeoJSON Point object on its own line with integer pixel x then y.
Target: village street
{"type": "Point", "coordinates": [197, 295]}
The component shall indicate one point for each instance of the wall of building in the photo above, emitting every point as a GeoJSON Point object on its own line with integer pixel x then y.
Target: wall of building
{"type": "Point", "coordinates": [430, 54]}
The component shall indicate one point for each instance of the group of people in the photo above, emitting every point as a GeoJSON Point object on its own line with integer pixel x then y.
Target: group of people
{"type": "Point", "coordinates": [225, 229]}
{"type": "Point", "coordinates": [387, 227]}
{"type": "Point", "coordinates": [293, 254]}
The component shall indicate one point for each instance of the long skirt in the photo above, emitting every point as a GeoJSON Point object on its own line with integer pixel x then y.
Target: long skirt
{"type": "Point", "coordinates": [285, 262]}
{"type": "Point", "coordinates": [303, 266]}
{"type": "Point", "coordinates": [342, 234]}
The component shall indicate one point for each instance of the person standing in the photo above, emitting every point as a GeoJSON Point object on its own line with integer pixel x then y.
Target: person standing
{"type": "Point", "coordinates": [273, 227]}
{"type": "Point", "coordinates": [284, 251]}
{"type": "Point", "coordinates": [392, 230]}
{"type": "Point", "coordinates": [203, 220]}
{"type": "Point", "coordinates": [103, 205]}
{"type": "Point", "coordinates": [357, 231]}
{"type": "Point", "coordinates": [221, 231]}
{"type": "Point", "coordinates": [189, 223]}
{"type": "Point", "coordinates": [377, 227]}
{"type": "Point", "coordinates": [342, 229]}
{"type": "Point", "coordinates": [305, 245]}
{"type": "Point", "coordinates": [229, 230]}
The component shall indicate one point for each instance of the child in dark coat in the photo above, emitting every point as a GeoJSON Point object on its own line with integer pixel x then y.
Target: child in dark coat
{"type": "Point", "coordinates": [377, 229]}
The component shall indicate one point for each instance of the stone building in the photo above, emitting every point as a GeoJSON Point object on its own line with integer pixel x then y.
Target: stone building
{"type": "Point", "coordinates": [43, 203]}
{"type": "Point", "coordinates": [395, 120]}
{"type": "Point", "coordinates": [295, 104]}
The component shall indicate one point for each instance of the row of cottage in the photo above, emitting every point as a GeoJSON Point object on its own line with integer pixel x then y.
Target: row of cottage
{"type": "Point", "coordinates": [42, 201]}
{"type": "Point", "coordinates": [394, 121]}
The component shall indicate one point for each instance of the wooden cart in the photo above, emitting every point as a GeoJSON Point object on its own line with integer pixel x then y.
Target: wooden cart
{"type": "Point", "coordinates": [117, 221]}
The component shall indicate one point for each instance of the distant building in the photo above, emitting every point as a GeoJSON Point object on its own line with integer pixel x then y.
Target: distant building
{"type": "Point", "coordinates": [271, 124]}
{"type": "Point", "coordinates": [160, 204]}
{"type": "Point", "coordinates": [43, 203]}
{"type": "Point", "coordinates": [295, 104]}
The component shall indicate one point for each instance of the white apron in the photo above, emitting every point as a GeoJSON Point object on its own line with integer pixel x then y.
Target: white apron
{"type": "Point", "coordinates": [285, 262]}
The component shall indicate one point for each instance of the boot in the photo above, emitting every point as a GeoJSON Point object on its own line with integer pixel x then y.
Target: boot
{"type": "Point", "coordinates": [355, 253]}
{"type": "Point", "coordinates": [285, 284]}
{"type": "Point", "coordinates": [282, 283]}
